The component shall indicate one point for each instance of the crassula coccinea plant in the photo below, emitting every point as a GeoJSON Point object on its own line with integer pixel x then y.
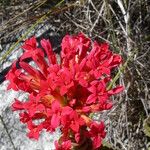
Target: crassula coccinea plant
{"type": "Point", "coordinates": [64, 93]}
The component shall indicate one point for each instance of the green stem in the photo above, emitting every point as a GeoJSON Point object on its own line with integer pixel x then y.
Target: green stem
{"type": "Point", "coordinates": [121, 69]}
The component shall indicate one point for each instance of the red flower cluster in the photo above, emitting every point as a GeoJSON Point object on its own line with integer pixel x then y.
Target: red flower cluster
{"type": "Point", "coordinates": [64, 93]}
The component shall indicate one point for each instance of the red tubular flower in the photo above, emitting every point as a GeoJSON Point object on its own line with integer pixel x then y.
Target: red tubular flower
{"type": "Point", "coordinates": [66, 145]}
{"type": "Point", "coordinates": [65, 94]}
{"type": "Point", "coordinates": [34, 130]}
{"type": "Point", "coordinates": [56, 112]}
{"type": "Point", "coordinates": [97, 133]}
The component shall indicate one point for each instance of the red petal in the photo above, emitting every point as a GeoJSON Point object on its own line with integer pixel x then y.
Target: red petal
{"type": "Point", "coordinates": [55, 106]}
{"type": "Point", "coordinates": [116, 60]}
{"type": "Point", "coordinates": [55, 121]}
{"type": "Point", "coordinates": [63, 90]}
{"type": "Point", "coordinates": [67, 110]}
{"type": "Point", "coordinates": [24, 117]}
{"type": "Point", "coordinates": [97, 141]}
{"type": "Point", "coordinates": [75, 127]}
{"type": "Point", "coordinates": [17, 105]}
{"type": "Point", "coordinates": [29, 69]}
{"type": "Point", "coordinates": [29, 44]}
{"type": "Point", "coordinates": [48, 48]}
{"type": "Point", "coordinates": [86, 109]}
{"type": "Point", "coordinates": [116, 90]}
{"type": "Point", "coordinates": [33, 135]}
{"type": "Point", "coordinates": [77, 137]}
{"type": "Point", "coordinates": [91, 99]}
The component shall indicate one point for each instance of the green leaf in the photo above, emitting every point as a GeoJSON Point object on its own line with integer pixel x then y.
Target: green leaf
{"type": "Point", "coordinates": [146, 126]}
{"type": "Point", "coordinates": [106, 146]}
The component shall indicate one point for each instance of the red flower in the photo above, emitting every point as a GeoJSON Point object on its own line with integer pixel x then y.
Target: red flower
{"type": "Point", "coordinates": [63, 94]}
{"type": "Point", "coordinates": [34, 130]}
{"type": "Point", "coordinates": [97, 133]}
{"type": "Point", "coordinates": [56, 114]}
{"type": "Point", "coordinates": [66, 145]}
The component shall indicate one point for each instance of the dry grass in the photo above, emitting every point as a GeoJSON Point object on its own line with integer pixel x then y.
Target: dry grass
{"type": "Point", "coordinates": [122, 23]}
